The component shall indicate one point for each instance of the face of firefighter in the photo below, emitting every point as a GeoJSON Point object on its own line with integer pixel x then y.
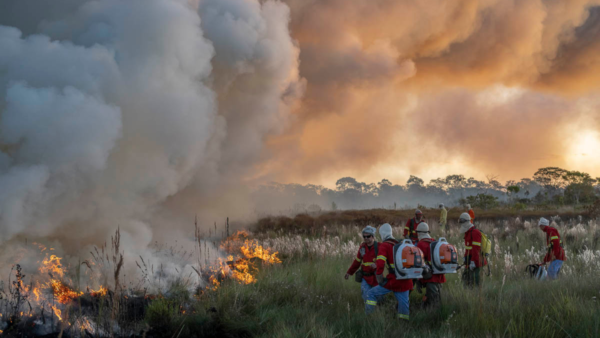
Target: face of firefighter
{"type": "Point", "coordinates": [368, 239]}
{"type": "Point", "coordinates": [542, 227]}
{"type": "Point", "coordinates": [419, 217]}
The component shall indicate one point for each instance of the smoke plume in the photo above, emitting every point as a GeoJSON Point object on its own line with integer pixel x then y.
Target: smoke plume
{"type": "Point", "coordinates": [143, 113]}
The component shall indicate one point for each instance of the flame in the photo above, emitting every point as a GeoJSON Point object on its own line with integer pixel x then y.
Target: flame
{"type": "Point", "coordinates": [241, 272]}
{"type": "Point", "coordinates": [100, 292]}
{"type": "Point", "coordinates": [36, 292]}
{"type": "Point", "coordinates": [239, 269]}
{"type": "Point", "coordinates": [251, 249]}
{"type": "Point", "coordinates": [52, 265]}
{"type": "Point", "coordinates": [85, 324]}
{"type": "Point", "coordinates": [63, 292]}
{"type": "Point", "coordinates": [57, 312]}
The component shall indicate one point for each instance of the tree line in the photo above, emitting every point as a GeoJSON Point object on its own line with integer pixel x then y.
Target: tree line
{"type": "Point", "coordinates": [549, 186]}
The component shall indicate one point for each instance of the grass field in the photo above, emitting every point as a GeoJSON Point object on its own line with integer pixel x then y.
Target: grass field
{"type": "Point", "coordinates": [306, 295]}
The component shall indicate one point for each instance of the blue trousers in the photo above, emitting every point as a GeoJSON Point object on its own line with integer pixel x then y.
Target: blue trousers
{"type": "Point", "coordinates": [378, 292]}
{"type": "Point", "coordinates": [364, 288]}
{"type": "Point", "coordinates": [554, 268]}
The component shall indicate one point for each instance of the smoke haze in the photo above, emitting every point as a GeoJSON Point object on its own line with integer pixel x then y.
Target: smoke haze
{"type": "Point", "coordinates": [142, 114]}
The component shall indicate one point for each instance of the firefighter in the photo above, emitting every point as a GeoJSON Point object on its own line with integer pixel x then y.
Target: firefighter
{"type": "Point", "coordinates": [433, 285]}
{"type": "Point", "coordinates": [410, 230]}
{"type": "Point", "coordinates": [389, 283]}
{"type": "Point", "coordinates": [365, 260]}
{"type": "Point", "coordinates": [471, 213]}
{"type": "Point", "coordinates": [473, 260]}
{"type": "Point", "coordinates": [556, 253]}
{"type": "Point", "coordinates": [443, 218]}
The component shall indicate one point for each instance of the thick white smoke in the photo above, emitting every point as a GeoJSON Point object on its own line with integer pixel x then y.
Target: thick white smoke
{"type": "Point", "coordinates": [109, 109]}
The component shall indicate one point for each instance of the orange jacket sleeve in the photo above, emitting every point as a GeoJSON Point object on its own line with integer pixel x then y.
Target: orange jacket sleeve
{"type": "Point", "coordinates": [472, 214]}
{"type": "Point", "coordinates": [356, 263]}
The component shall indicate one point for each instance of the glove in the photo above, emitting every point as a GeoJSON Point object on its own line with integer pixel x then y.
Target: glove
{"type": "Point", "coordinates": [380, 280]}
{"type": "Point", "coordinates": [472, 266]}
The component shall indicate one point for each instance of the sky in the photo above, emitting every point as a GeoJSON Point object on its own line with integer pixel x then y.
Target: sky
{"type": "Point", "coordinates": [145, 113]}
{"type": "Point", "coordinates": [431, 88]}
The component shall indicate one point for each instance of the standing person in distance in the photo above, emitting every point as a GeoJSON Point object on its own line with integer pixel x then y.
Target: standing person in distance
{"type": "Point", "coordinates": [443, 218]}
{"type": "Point", "coordinates": [410, 230]}
{"type": "Point", "coordinates": [365, 260]}
{"type": "Point", "coordinates": [385, 264]}
{"type": "Point", "coordinates": [473, 258]}
{"type": "Point", "coordinates": [433, 285]}
{"type": "Point", "coordinates": [471, 213]}
{"type": "Point", "coordinates": [556, 254]}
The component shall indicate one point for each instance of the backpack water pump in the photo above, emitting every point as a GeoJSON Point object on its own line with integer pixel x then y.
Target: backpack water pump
{"type": "Point", "coordinates": [408, 260]}
{"type": "Point", "coordinates": [444, 257]}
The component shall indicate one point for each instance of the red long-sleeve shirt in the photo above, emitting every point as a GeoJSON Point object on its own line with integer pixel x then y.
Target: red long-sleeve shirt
{"type": "Point", "coordinates": [385, 259]}
{"type": "Point", "coordinates": [472, 214]}
{"type": "Point", "coordinates": [367, 261]}
{"type": "Point", "coordinates": [473, 247]}
{"type": "Point", "coordinates": [410, 229]}
{"type": "Point", "coordinates": [555, 250]}
{"type": "Point", "coordinates": [425, 246]}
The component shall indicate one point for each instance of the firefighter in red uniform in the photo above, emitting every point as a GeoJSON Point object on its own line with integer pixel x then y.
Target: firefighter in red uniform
{"type": "Point", "coordinates": [556, 253]}
{"type": "Point", "coordinates": [433, 285]}
{"type": "Point", "coordinates": [410, 230]}
{"type": "Point", "coordinates": [473, 260]}
{"type": "Point", "coordinates": [385, 266]}
{"type": "Point", "coordinates": [365, 260]}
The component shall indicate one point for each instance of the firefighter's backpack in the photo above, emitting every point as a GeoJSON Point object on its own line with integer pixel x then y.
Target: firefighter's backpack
{"type": "Point", "coordinates": [486, 245]}
{"type": "Point", "coordinates": [408, 260]}
{"type": "Point", "coordinates": [444, 257]}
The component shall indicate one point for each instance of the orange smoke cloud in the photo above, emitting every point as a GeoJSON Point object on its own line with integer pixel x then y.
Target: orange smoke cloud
{"type": "Point", "coordinates": [437, 87]}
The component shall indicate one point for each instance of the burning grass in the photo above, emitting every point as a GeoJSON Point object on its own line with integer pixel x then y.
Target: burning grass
{"type": "Point", "coordinates": [52, 301]}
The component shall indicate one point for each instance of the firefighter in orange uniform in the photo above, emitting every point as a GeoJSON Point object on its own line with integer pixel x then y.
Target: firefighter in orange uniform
{"type": "Point", "coordinates": [556, 253]}
{"type": "Point", "coordinates": [385, 265]}
{"type": "Point", "coordinates": [410, 230]}
{"type": "Point", "coordinates": [365, 260]}
{"type": "Point", "coordinates": [433, 285]}
{"type": "Point", "coordinates": [473, 260]}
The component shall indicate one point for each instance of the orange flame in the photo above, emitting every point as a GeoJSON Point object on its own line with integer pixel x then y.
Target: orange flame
{"type": "Point", "coordinates": [62, 292]}
{"type": "Point", "coordinates": [100, 292]}
{"type": "Point", "coordinates": [239, 269]}
{"type": "Point", "coordinates": [57, 312]}
{"type": "Point", "coordinates": [251, 249]}
{"type": "Point", "coordinates": [36, 292]}
{"type": "Point", "coordinates": [52, 265]}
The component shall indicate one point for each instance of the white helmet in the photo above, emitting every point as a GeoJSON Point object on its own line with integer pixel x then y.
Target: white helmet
{"type": "Point", "coordinates": [543, 221]}
{"type": "Point", "coordinates": [468, 207]}
{"type": "Point", "coordinates": [465, 222]}
{"type": "Point", "coordinates": [441, 205]}
{"type": "Point", "coordinates": [423, 230]}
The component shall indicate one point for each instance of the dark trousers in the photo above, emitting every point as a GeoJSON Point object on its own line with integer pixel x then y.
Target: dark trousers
{"type": "Point", "coordinates": [433, 295]}
{"type": "Point", "coordinates": [471, 278]}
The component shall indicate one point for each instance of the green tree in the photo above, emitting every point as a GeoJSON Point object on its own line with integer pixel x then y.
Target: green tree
{"type": "Point", "coordinates": [513, 191]}
{"type": "Point", "coordinates": [551, 178]}
{"type": "Point", "coordinates": [580, 187]}
{"type": "Point", "coordinates": [482, 201]}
